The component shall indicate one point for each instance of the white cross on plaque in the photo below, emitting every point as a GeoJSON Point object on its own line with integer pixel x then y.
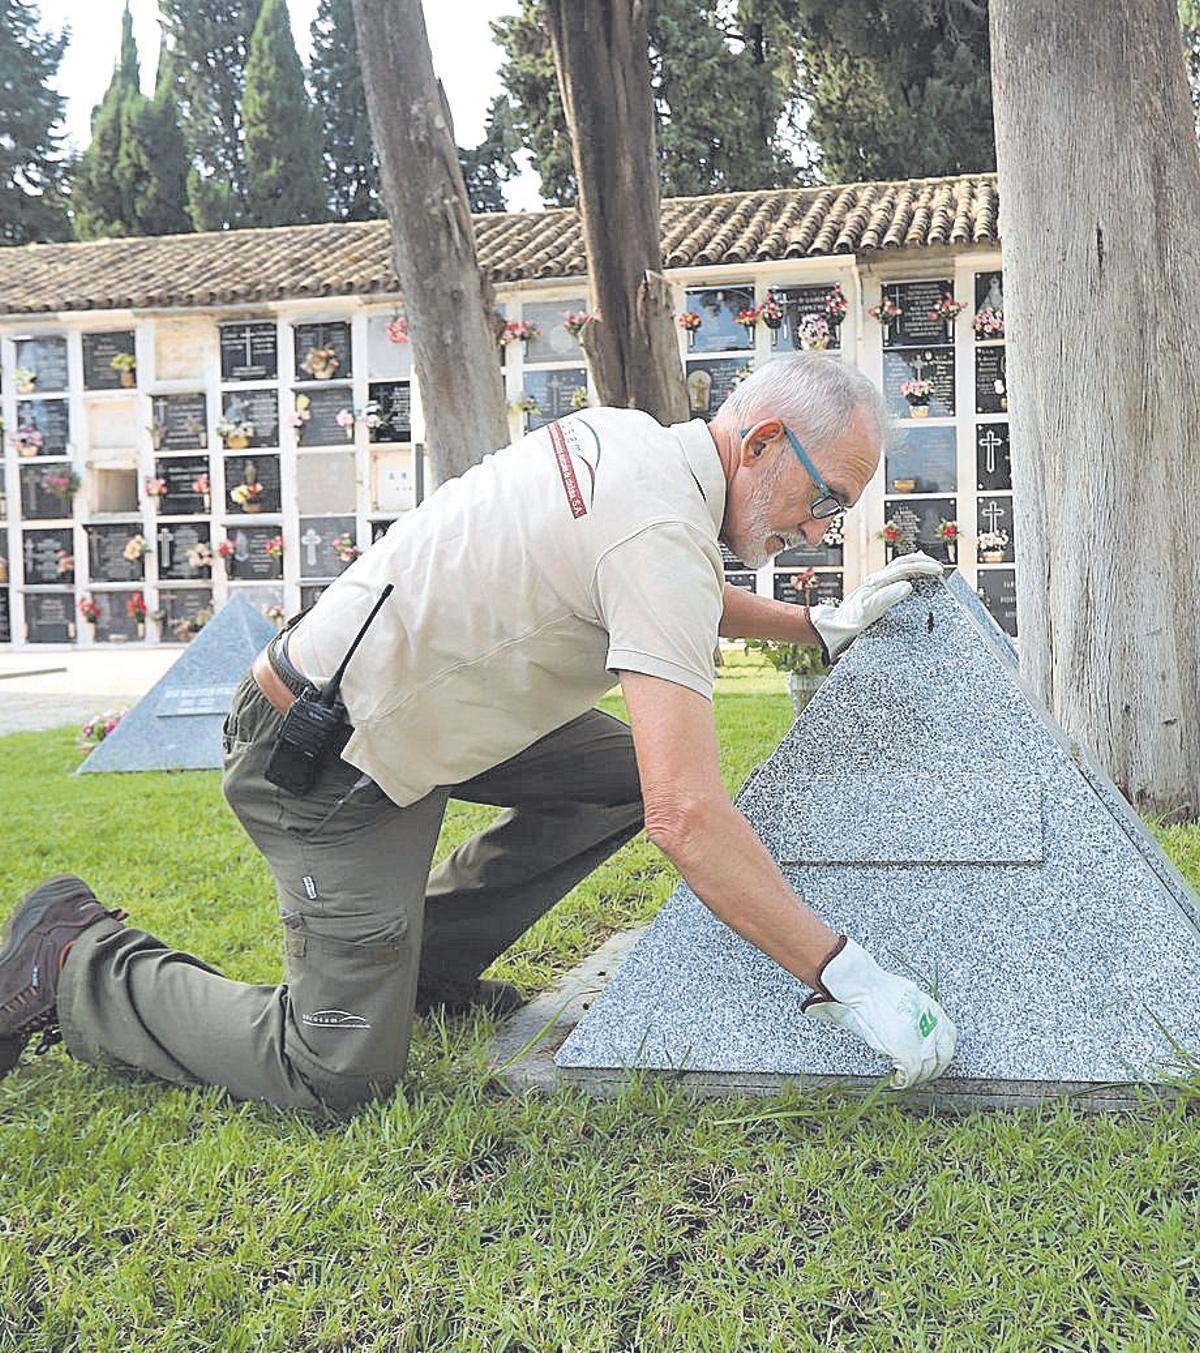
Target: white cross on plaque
{"type": "Point", "coordinates": [310, 540]}
{"type": "Point", "coordinates": [992, 514]}
{"type": "Point", "coordinates": [165, 536]}
{"type": "Point", "coordinates": [991, 444]}
{"type": "Point", "coordinates": [247, 334]}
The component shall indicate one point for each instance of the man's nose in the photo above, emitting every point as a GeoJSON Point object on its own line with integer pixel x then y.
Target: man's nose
{"type": "Point", "coordinates": [814, 530]}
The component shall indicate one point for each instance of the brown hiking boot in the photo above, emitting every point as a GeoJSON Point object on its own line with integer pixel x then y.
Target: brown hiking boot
{"type": "Point", "coordinates": [455, 999]}
{"type": "Point", "coordinates": [39, 934]}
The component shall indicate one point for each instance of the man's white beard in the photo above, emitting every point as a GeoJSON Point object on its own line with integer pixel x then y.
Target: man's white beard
{"type": "Point", "coordinates": [750, 544]}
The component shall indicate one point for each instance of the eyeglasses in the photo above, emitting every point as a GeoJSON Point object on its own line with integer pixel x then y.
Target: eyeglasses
{"type": "Point", "coordinates": [827, 504]}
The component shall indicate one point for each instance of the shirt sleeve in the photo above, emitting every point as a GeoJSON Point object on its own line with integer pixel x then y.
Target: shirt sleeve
{"type": "Point", "coordinates": [659, 595]}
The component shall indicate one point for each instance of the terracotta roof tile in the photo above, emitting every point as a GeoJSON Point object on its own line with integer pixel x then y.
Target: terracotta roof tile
{"type": "Point", "coordinates": [354, 258]}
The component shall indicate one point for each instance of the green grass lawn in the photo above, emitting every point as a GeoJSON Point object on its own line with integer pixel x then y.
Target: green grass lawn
{"type": "Point", "coordinates": [138, 1216]}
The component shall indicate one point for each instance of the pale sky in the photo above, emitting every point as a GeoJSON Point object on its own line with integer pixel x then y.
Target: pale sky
{"type": "Point", "coordinates": [464, 57]}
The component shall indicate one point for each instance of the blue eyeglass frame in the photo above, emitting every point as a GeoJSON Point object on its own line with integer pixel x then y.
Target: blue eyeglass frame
{"type": "Point", "coordinates": [827, 504]}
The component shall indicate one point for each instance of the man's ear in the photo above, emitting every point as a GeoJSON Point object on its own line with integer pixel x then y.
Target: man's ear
{"type": "Point", "coordinates": [761, 433]}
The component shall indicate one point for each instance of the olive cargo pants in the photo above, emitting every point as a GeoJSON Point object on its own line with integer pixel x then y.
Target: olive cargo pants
{"type": "Point", "coordinates": [362, 916]}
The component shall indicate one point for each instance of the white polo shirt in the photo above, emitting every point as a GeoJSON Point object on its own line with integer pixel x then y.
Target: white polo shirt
{"type": "Point", "coordinates": [521, 589]}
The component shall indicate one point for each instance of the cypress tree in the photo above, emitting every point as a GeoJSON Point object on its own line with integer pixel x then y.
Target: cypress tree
{"type": "Point", "coordinates": [32, 169]}
{"type": "Point", "coordinates": [351, 167]}
{"type": "Point", "coordinates": [152, 167]}
{"type": "Point", "coordinates": [100, 207]}
{"type": "Point", "coordinates": [283, 141]}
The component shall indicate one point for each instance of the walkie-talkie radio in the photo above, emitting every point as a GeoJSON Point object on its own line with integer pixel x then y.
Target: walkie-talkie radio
{"type": "Point", "coordinates": [311, 725]}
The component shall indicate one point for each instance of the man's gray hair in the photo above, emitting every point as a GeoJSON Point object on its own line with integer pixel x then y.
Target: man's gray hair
{"type": "Point", "coordinates": [815, 395]}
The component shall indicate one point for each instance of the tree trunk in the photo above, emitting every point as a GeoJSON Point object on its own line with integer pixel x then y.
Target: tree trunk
{"type": "Point", "coordinates": [1100, 182]}
{"type": "Point", "coordinates": [446, 301]}
{"type": "Point", "coordinates": [601, 56]}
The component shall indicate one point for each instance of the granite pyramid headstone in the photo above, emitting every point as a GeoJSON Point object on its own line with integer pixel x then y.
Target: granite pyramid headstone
{"type": "Point", "coordinates": [176, 725]}
{"type": "Point", "coordinates": [924, 805]}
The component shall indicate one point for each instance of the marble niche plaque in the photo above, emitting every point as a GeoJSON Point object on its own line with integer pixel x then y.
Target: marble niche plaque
{"type": "Point", "coordinates": [116, 625]}
{"type": "Point", "coordinates": [379, 529]}
{"type": "Point", "coordinates": [325, 482]}
{"type": "Point", "coordinates": [113, 425]}
{"type": "Point", "coordinates": [180, 473]}
{"type": "Point", "coordinates": [52, 418]}
{"type": "Point", "coordinates": [249, 352]}
{"type": "Point", "coordinates": [181, 603]}
{"type": "Point", "coordinates": [250, 561]}
{"type": "Point", "coordinates": [805, 555]}
{"type": "Point", "coordinates": [319, 409]}
{"type": "Point", "coordinates": [719, 329]}
{"type": "Point", "coordinates": [333, 334]}
{"type": "Point", "coordinates": [49, 617]}
{"type": "Point", "coordinates": [930, 364]}
{"type": "Point", "coordinates": [993, 468]}
{"type": "Point", "coordinates": [913, 328]}
{"type": "Point", "coordinates": [318, 559]}
{"type": "Point", "coordinates": [997, 589]}
{"type": "Point", "coordinates": [918, 519]}
{"type": "Point", "coordinates": [792, 585]}
{"type": "Point", "coordinates": [748, 582]}
{"type": "Point", "coordinates": [731, 562]}
{"type": "Point", "coordinates": [260, 407]}
{"type": "Point", "coordinates": [391, 401]}
{"type": "Point", "coordinates": [181, 349]}
{"type": "Point", "coordinates": [392, 489]}
{"type": "Point", "coordinates": [36, 501]}
{"type": "Point", "coordinates": [385, 357]}
{"type": "Point", "coordinates": [174, 541]}
{"type": "Point", "coordinates": [709, 382]}
{"type": "Point", "coordinates": [262, 470]}
{"type": "Point", "coordinates": [179, 422]}
{"type": "Point", "coordinates": [554, 343]}
{"type": "Point", "coordinates": [799, 304]}
{"type": "Point", "coordinates": [995, 514]}
{"type": "Point", "coordinates": [989, 293]}
{"type": "Point", "coordinates": [554, 392]}
{"type": "Point", "coordinates": [309, 596]}
{"type": "Point", "coordinates": [44, 551]}
{"type": "Point", "coordinates": [991, 381]}
{"type": "Point", "coordinates": [106, 554]}
{"type": "Point", "coordinates": [46, 357]}
{"type": "Point", "coordinates": [922, 460]}
{"type": "Point", "coordinates": [99, 349]}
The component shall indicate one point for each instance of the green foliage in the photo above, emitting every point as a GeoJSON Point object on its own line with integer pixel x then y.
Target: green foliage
{"type": "Point", "coordinates": [33, 171]}
{"type": "Point", "coordinates": [718, 102]}
{"type": "Point", "coordinates": [282, 129]}
{"type": "Point", "coordinates": [1189, 19]}
{"type": "Point", "coordinates": [351, 166]}
{"type": "Point", "coordinates": [489, 165]}
{"type": "Point", "coordinates": [895, 88]}
{"type": "Point", "coordinates": [210, 42]}
{"type": "Point", "coordinates": [802, 659]}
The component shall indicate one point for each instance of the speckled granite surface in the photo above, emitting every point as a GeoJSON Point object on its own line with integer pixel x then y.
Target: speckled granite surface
{"type": "Point", "coordinates": [923, 805]}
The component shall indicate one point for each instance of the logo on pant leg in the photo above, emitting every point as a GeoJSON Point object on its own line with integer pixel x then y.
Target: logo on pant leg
{"type": "Point", "coordinates": [334, 1019]}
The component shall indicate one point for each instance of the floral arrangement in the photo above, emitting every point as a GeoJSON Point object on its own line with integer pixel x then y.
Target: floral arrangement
{"type": "Point", "coordinates": [226, 548]}
{"type": "Point", "coordinates": [836, 304]}
{"type": "Point", "coordinates": [806, 582]}
{"type": "Point", "coordinates": [576, 321]}
{"type": "Point", "coordinates": [235, 429]}
{"type": "Point", "coordinates": [99, 726]}
{"type": "Point", "coordinates": [344, 418]}
{"type": "Point", "coordinates": [771, 311]}
{"type": "Point", "coordinates": [136, 607]}
{"type": "Point", "coordinates": [947, 310]}
{"type": "Point", "coordinates": [890, 532]}
{"type": "Point", "coordinates": [747, 316]}
{"type": "Point", "coordinates": [274, 611]}
{"type": "Point", "coordinates": [740, 375]}
{"type": "Point", "coordinates": [886, 311]}
{"type": "Point", "coordinates": [690, 321]}
{"type": "Point", "coordinates": [29, 439]}
{"type": "Point", "coordinates": [184, 629]}
{"type": "Point", "coordinates": [579, 397]}
{"type": "Point", "coordinates": [124, 361]}
{"type": "Point", "coordinates": [274, 547]}
{"type": "Point", "coordinates": [993, 542]}
{"type": "Point", "coordinates": [814, 333]}
{"type": "Point", "coordinates": [947, 531]}
{"type": "Point", "coordinates": [801, 659]}
{"type": "Point", "coordinates": [200, 555]}
{"type": "Point", "coordinates": [834, 532]}
{"type": "Point", "coordinates": [135, 548]}
{"type": "Point", "coordinates": [201, 485]}
{"type": "Point", "coordinates": [89, 610]}
{"type": "Point", "coordinates": [397, 330]}
{"type": "Point", "coordinates": [345, 548]}
{"type": "Point", "coordinates": [155, 488]}
{"type": "Point", "coordinates": [371, 415]}
{"type": "Point", "coordinates": [989, 323]}
{"type": "Point", "coordinates": [918, 393]}
{"type": "Point", "coordinates": [524, 403]}
{"type": "Point", "coordinates": [26, 380]}
{"type": "Point", "coordinates": [246, 494]}
{"type": "Point", "coordinates": [62, 484]}
{"type": "Point", "coordinates": [520, 330]}
{"type": "Point", "coordinates": [64, 562]}
{"type": "Point", "coordinates": [321, 363]}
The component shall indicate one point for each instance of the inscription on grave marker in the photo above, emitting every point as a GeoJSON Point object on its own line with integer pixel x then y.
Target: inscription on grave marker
{"type": "Point", "coordinates": [993, 468]}
{"type": "Point", "coordinates": [250, 560]}
{"type": "Point", "coordinates": [181, 473]}
{"type": "Point", "coordinates": [174, 542]}
{"type": "Point", "coordinates": [52, 418]}
{"type": "Point", "coordinates": [916, 300]}
{"type": "Point", "coordinates": [262, 470]}
{"type": "Point", "coordinates": [49, 617]}
{"type": "Point", "coordinates": [799, 304]}
{"type": "Point", "coordinates": [106, 554]}
{"type": "Point", "coordinates": [553, 391]}
{"type": "Point", "coordinates": [320, 408]}
{"type": "Point", "coordinates": [249, 352]}
{"type": "Point", "coordinates": [991, 381]}
{"type": "Point", "coordinates": [929, 364]}
{"type": "Point", "coordinates": [260, 407]}
{"type": "Point", "coordinates": [179, 422]}
{"type": "Point", "coordinates": [99, 349]}
{"type": "Point", "coordinates": [311, 339]}
{"type": "Point", "coordinates": [997, 589]}
{"type": "Point", "coordinates": [46, 357]}
{"type": "Point", "coordinates": [718, 309]}
{"type": "Point", "coordinates": [47, 554]}
{"type": "Point", "coordinates": [318, 558]}
{"type": "Point", "coordinates": [709, 382]}
{"type": "Point", "coordinates": [392, 405]}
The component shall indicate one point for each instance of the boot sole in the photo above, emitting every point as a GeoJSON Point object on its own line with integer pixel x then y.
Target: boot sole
{"type": "Point", "coordinates": [35, 905]}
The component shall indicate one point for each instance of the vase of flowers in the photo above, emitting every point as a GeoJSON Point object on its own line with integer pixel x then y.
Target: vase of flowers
{"type": "Point", "coordinates": [988, 323]}
{"type": "Point", "coordinates": [155, 489]}
{"type": "Point", "coordinates": [524, 404]}
{"type": "Point", "coordinates": [100, 726]}
{"type": "Point", "coordinates": [918, 393]}
{"type": "Point", "coordinates": [200, 556]}
{"type": "Point", "coordinates": [771, 311]}
{"type": "Point", "coordinates": [397, 329]}
{"type": "Point", "coordinates": [946, 311]}
{"type": "Point", "coordinates": [321, 363]}
{"type": "Point", "coordinates": [25, 380]}
{"type": "Point", "coordinates": [345, 548]}
{"type": "Point", "coordinates": [579, 397]}
{"type": "Point", "coordinates": [235, 431]}
{"type": "Point", "coordinates": [125, 365]}
{"type": "Point", "coordinates": [344, 418]}
{"type": "Point", "coordinates": [274, 548]}
{"type": "Point", "coordinates": [201, 486]}
{"type": "Point", "coordinates": [89, 610]}
{"type": "Point", "coordinates": [520, 331]}
{"type": "Point", "coordinates": [992, 545]}
{"type": "Point", "coordinates": [61, 483]}
{"type": "Point", "coordinates": [690, 322]}
{"type": "Point", "coordinates": [814, 333]}
{"type": "Point", "coordinates": [891, 535]}
{"type": "Point", "coordinates": [575, 322]}
{"type": "Point", "coordinates": [248, 496]}
{"type": "Point", "coordinates": [887, 312]}
{"type": "Point", "coordinates": [947, 532]}
{"type": "Point", "coordinates": [29, 440]}
{"type": "Point", "coordinates": [226, 549]}
{"type": "Point", "coordinates": [275, 613]}
{"type": "Point", "coordinates": [747, 317]}
{"type": "Point", "coordinates": [158, 433]}
{"type": "Point", "coordinates": [64, 565]}
{"type": "Point", "coordinates": [802, 664]}
{"type": "Point", "coordinates": [135, 548]}
{"type": "Point", "coordinates": [836, 305]}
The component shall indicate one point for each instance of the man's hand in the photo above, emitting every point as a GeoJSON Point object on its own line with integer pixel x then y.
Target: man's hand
{"type": "Point", "coordinates": [889, 1013]}
{"type": "Point", "coordinates": [879, 592]}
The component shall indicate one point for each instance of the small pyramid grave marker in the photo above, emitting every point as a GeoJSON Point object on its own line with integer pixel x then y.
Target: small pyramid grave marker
{"type": "Point", "coordinates": [176, 725]}
{"type": "Point", "coordinates": [924, 805]}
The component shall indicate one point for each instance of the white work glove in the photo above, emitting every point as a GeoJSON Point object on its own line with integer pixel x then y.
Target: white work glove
{"type": "Point", "coordinates": [889, 1013]}
{"type": "Point", "coordinates": [879, 592]}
